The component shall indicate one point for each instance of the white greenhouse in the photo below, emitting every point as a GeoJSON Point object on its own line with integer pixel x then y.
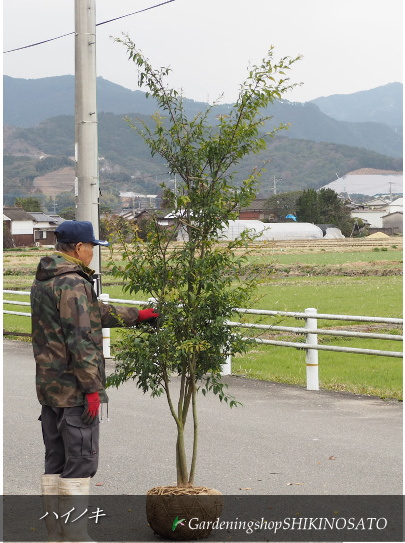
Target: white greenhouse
{"type": "Point", "coordinates": [268, 231]}
{"type": "Point", "coordinates": [330, 231]}
{"type": "Point", "coordinates": [274, 230]}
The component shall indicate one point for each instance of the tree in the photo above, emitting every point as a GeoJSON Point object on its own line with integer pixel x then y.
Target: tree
{"type": "Point", "coordinates": [324, 207]}
{"type": "Point", "coordinates": [8, 242]}
{"type": "Point", "coordinates": [333, 210]}
{"type": "Point", "coordinates": [109, 201]}
{"type": "Point", "coordinates": [29, 203]}
{"type": "Point", "coordinates": [52, 163]}
{"type": "Point", "coordinates": [196, 284]}
{"type": "Point", "coordinates": [308, 207]}
{"type": "Point", "coordinates": [282, 204]}
{"type": "Point", "coordinates": [117, 228]}
{"type": "Point", "coordinates": [64, 204]}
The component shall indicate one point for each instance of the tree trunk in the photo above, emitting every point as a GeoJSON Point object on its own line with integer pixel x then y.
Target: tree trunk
{"type": "Point", "coordinates": [181, 460]}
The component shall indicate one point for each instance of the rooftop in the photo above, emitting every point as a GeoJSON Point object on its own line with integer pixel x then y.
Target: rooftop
{"type": "Point", "coordinates": [16, 214]}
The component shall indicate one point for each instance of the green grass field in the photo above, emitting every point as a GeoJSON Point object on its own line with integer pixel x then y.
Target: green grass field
{"type": "Point", "coordinates": [376, 295]}
{"type": "Point", "coordinates": [372, 296]}
{"type": "Point", "coordinates": [357, 373]}
{"type": "Point", "coordinates": [329, 258]}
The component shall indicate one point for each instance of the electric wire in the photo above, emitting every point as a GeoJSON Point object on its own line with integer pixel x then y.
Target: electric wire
{"type": "Point", "coordinates": [98, 24]}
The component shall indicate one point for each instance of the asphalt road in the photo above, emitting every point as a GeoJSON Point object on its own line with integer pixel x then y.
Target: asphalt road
{"type": "Point", "coordinates": [284, 440]}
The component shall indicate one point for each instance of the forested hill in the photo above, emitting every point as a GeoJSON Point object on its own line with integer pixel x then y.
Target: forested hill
{"type": "Point", "coordinates": [27, 102]}
{"type": "Point", "coordinates": [126, 162]}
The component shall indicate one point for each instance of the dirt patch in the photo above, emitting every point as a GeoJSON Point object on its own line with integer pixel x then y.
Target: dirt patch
{"type": "Point", "coordinates": [352, 269]}
{"type": "Point", "coordinates": [53, 183]}
{"type": "Point", "coordinates": [378, 235]}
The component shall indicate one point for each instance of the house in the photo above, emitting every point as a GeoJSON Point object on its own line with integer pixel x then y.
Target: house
{"type": "Point", "coordinates": [376, 203]}
{"type": "Point", "coordinates": [44, 227]}
{"type": "Point", "coordinates": [372, 216]}
{"type": "Point", "coordinates": [20, 224]}
{"type": "Point", "coordinates": [29, 228]}
{"type": "Point", "coordinates": [129, 214]}
{"type": "Point", "coordinates": [164, 217]}
{"type": "Point", "coordinates": [373, 211]}
{"type": "Point", "coordinates": [396, 205]}
{"type": "Point", "coordinates": [255, 211]}
{"type": "Point", "coordinates": [393, 221]}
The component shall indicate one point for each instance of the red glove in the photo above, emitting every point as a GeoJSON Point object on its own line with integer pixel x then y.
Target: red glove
{"type": "Point", "coordinates": [92, 404]}
{"type": "Point", "coordinates": [147, 315]}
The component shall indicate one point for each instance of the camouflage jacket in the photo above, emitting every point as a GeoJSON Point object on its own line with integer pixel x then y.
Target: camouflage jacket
{"type": "Point", "coordinates": [67, 322]}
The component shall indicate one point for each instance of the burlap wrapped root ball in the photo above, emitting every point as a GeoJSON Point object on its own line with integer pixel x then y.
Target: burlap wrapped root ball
{"type": "Point", "coordinates": [166, 506]}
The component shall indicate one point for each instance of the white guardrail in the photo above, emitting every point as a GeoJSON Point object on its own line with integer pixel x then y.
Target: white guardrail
{"type": "Point", "coordinates": [311, 330]}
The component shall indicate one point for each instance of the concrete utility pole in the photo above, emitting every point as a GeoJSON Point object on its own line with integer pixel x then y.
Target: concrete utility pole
{"type": "Point", "coordinates": [275, 181]}
{"type": "Point", "coordinates": [87, 186]}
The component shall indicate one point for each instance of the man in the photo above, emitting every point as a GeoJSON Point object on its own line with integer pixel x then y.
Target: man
{"type": "Point", "coordinates": [67, 322]}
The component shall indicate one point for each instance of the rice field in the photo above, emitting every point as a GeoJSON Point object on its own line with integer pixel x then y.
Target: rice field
{"type": "Point", "coordinates": [345, 279]}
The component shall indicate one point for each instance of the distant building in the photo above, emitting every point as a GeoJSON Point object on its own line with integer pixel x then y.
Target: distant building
{"type": "Point", "coordinates": [135, 200]}
{"type": "Point", "coordinates": [30, 228]}
{"type": "Point", "coordinates": [374, 210]}
{"type": "Point", "coordinates": [396, 205]}
{"type": "Point", "coordinates": [372, 216]}
{"type": "Point", "coordinates": [164, 217]}
{"type": "Point", "coordinates": [394, 222]}
{"type": "Point", "coordinates": [255, 211]}
{"type": "Point", "coordinates": [44, 227]}
{"type": "Point", "coordinates": [370, 182]}
{"type": "Point", "coordinates": [20, 225]}
{"type": "Point", "coordinates": [376, 203]}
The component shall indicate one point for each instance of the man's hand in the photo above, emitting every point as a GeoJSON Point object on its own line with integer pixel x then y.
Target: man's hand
{"type": "Point", "coordinates": [148, 315]}
{"type": "Point", "coordinates": [92, 405]}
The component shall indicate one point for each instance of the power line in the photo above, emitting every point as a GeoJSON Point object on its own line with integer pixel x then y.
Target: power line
{"type": "Point", "coordinates": [98, 24]}
{"type": "Point", "coordinates": [38, 43]}
{"type": "Point", "coordinates": [135, 12]}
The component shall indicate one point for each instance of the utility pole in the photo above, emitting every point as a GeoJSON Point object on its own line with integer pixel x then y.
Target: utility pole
{"type": "Point", "coordinates": [390, 184]}
{"type": "Point", "coordinates": [87, 187]}
{"type": "Point", "coordinates": [275, 181]}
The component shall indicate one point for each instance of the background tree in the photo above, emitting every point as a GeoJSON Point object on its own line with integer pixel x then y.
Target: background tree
{"type": "Point", "coordinates": [281, 205]}
{"type": "Point", "coordinates": [109, 201]}
{"type": "Point", "coordinates": [8, 242]}
{"type": "Point", "coordinates": [308, 207]}
{"type": "Point", "coordinates": [63, 204]}
{"type": "Point", "coordinates": [332, 209]}
{"type": "Point", "coordinates": [29, 204]}
{"type": "Point", "coordinates": [197, 284]}
{"type": "Point", "coordinates": [324, 207]}
{"type": "Point", "coordinates": [117, 228]}
{"type": "Point", "coordinates": [52, 163]}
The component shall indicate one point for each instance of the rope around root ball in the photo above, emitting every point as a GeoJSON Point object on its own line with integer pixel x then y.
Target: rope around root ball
{"type": "Point", "coordinates": [179, 490]}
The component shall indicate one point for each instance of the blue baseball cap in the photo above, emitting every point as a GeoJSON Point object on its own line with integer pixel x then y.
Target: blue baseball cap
{"type": "Point", "coordinates": [76, 231]}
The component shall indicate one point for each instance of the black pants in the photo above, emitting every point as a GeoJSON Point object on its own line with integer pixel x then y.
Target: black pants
{"type": "Point", "coordinates": [71, 446]}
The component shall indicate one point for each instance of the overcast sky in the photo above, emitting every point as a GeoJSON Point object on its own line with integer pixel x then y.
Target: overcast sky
{"type": "Point", "coordinates": [347, 45]}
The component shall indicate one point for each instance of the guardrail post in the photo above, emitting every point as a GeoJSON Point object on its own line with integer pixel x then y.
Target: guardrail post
{"type": "Point", "coordinates": [311, 323]}
{"type": "Point", "coordinates": [226, 369]}
{"type": "Point", "coordinates": [106, 331]}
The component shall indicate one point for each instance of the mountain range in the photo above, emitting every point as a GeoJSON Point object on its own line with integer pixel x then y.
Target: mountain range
{"type": "Point", "coordinates": [379, 105]}
{"type": "Point", "coordinates": [327, 136]}
{"type": "Point", "coordinates": [337, 119]}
